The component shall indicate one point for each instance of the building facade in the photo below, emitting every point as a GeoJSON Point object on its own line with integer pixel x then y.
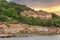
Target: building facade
{"type": "Point", "coordinates": [42, 14]}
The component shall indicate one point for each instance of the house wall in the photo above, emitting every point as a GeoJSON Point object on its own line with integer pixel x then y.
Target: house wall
{"type": "Point", "coordinates": [48, 16]}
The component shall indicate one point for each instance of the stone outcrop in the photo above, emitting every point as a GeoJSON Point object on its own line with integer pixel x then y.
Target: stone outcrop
{"type": "Point", "coordinates": [24, 28]}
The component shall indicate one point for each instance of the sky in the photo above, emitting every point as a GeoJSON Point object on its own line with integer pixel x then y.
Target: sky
{"type": "Point", "coordinates": [46, 5]}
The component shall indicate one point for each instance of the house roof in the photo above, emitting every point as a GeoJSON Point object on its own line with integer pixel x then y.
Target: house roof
{"type": "Point", "coordinates": [43, 13]}
{"type": "Point", "coordinates": [36, 13]}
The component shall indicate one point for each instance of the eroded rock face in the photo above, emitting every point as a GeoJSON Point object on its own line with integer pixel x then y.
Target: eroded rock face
{"type": "Point", "coordinates": [24, 28]}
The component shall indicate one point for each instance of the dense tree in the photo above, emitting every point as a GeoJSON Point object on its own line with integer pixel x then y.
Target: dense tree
{"type": "Point", "coordinates": [54, 15]}
{"type": "Point", "coordinates": [11, 9]}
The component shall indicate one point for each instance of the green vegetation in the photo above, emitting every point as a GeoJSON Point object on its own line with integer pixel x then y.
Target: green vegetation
{"type": "Point", "coordinates": [10, 12]}
{"type": "Point", "coordinates": [41, 22]}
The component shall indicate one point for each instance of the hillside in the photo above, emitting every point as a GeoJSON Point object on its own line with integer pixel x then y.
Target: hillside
{"type": "Point", "coordinates": [10, 13]}
{"type": "Point", "coordinates": [10, 10]}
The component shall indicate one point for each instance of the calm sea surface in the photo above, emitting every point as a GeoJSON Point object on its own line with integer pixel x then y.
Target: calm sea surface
{"type": "Point", "coordinates": [50, 37]}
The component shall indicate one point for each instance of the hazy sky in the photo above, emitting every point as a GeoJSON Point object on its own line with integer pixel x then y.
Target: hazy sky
{"type": "Point", "coordinates": [46, 5]}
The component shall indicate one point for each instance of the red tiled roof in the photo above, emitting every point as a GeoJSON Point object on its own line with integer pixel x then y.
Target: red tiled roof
{"type": "Point", "coordinates": [43, 13]}
{"type": "Point", "coordinates": [36, 13]}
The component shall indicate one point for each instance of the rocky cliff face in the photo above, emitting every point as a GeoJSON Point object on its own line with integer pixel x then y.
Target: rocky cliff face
{"type": "Point", "coordinates": [24, 28]}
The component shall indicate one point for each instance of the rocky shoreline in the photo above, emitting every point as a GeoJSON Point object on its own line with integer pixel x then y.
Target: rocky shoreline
{"type": "Point", "coordinates": [24, 30]}
{"type": "Point", "coordinates": [26, 35]}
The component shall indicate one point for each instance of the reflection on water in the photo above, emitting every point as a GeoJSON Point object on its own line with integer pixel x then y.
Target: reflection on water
{"type": "Point", "coordinates": [50, 37]}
